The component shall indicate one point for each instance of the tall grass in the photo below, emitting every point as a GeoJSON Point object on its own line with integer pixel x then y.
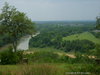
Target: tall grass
{"type": "Point", "coordinates": [49, 69]}
{"type": "Point", "coordinates": [35, 69]}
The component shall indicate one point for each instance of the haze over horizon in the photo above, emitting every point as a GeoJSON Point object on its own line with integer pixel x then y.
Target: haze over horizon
{"type": "Point", "coordinates": [57, 10]}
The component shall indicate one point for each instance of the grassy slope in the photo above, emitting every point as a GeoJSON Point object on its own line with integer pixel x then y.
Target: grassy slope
{"type": "Point", "coordinates": [44, 69]}
{"type": "Point", "coordinates": [47, 49]}
{"type": "Point", "coordinates": [44, 49]}
{"type": "Point", "coordinates": [82, 36]}
{"type": "Point", "coordinates": [50, 49]}
{"type": "Point", "coordinates": [34, 69]}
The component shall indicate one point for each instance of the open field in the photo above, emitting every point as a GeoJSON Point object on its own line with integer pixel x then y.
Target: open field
{"type": "Point", "coordinates": [83, 36]}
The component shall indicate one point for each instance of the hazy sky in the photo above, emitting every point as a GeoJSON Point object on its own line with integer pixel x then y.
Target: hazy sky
{"type": "Point", "coordinates": [41, 10]}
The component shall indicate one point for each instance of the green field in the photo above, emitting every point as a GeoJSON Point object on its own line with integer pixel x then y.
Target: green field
{"type": "Point", "coordinates": [83, 36]}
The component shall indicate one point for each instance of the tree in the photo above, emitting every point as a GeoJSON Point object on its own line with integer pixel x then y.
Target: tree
{"type": "Point", "coordinates": [97, 51]}
{"type": "Point", "coordinates": [98, 22]}
{"type": "Point", "coordinates": [15, 24]}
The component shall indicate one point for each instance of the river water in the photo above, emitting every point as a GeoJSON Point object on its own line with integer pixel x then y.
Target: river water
{"type": "Point", "coordinates": [24, 42]}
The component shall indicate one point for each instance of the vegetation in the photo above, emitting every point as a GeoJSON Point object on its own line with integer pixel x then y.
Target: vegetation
{"type": "Point", "coordinates": [43, 55]}
{"type": "Point", "coordinates": [97, 51]}
{"type": "Point", "coordinates": [42, 61]}
{"type": "Point", "coordinates": [82, 36]}
{"type": "Point", "coordinates": [49, 69]}
{"type": "Point", "coordinates": [61, 48]}
{"type": "Point", "coordinates": [10, 57]}
{"type": "Point", "coordinates": [49, 53]}
{"type": "Point", "coordinates": [14, 24]}
{"type": "Point", "coordinates": [76, 42]}
{"type": "Point", "coordinates": [35, 69]}
{"type": "Point", "coordinates": [96, 34]}
{"type": "Point", "coordinates": [78, 46]}
{"type": "Point", "coordinates": [98, 22]}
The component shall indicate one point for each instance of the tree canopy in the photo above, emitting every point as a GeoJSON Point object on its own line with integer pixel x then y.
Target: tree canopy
{"type": "Point", "coordinates": [98, 22]}
{"type": "Point", "coordinates": [15, 24]}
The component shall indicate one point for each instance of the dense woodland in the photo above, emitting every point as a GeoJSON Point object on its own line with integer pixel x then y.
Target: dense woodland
{"type": "Point", "coordinates": [51, 35]}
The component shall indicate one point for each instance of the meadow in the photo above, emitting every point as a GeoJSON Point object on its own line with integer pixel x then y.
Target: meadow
{"type": "Point", "coordinates": [83, 36]}
{"type": "Point", "coordinates": [48, 69]}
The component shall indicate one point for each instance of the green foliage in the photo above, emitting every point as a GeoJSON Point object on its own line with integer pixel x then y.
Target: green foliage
{"type": "Point", "coordinates": [43, 56]}
{"type": "Point", "coordinates": [15, 24]}
{"type": "Point", "coordinates": [78, 45]}
{"type": "Point", "coordinates": [96, 34]}
{"type": "Point", "coordinates": [97, 51]}
{"type": "Point", "coordinates": [91, 69]}
{"type": "Point", "coordinates": [54, 36]}
{"type": "Point", "coordinates": [41, 41]}
{"type": "Point", "coordinates": [83, 58]}
{"type": "Point", "coordinates": [83, 36]}
{"type": "Point", "coordinates": [4, 40]}
{"type": "Point", "coordinates": [64, 59]}
{"type": "Point", "coordinates": [58, 43]}
{"type": "Point", "coordinates": [98, 23]}
{"type": "Point", "coordinates": [10, 57]}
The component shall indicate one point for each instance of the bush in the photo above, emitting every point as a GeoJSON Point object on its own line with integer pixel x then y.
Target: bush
{"type": "Point", "coordinates": [43, 56]}
{"type": "Point", "coordinates": [10, 57]}
{"type": "Point", "coordinates": [80, 58]}
{"type": "Point", "coordinates": [64, 59]}
{"type": "Point", "coordinates": [78, 45]}
{"type": "Point", "coordinates": [92, 68]}
{"type": "Point", "coordinates": [97, 51]}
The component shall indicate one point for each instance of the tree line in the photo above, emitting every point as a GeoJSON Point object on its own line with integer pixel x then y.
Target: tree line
{"type": "Point", "coordinates": [52, 36]}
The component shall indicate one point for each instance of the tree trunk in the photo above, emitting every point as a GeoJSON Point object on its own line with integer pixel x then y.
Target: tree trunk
{"type": "Point", "coordinates": [15, 46]}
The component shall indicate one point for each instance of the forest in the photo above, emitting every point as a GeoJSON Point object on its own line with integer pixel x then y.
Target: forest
{"type": "Point", "coordinates": [52, 36]}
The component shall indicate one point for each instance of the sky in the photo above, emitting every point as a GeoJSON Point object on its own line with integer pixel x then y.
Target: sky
{"type": "Point", "coordinates": [57, 10]}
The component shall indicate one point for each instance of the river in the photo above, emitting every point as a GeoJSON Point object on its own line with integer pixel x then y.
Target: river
{"type": "Point", "coordinates": [24, 42]}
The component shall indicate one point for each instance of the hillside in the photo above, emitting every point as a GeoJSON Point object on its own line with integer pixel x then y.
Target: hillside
{"type": "Point", "coordinates": [83, 36]}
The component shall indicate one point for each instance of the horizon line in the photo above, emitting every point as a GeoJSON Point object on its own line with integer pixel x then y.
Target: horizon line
{"type": "Point", "coordinates": [64, 20]}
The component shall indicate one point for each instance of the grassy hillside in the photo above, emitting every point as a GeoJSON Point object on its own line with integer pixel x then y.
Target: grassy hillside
{"type": "Point", "coordinates": [45, 49]}
{"type": "Point", "coordinates": [49, 49]}
{"type": "Point", "coordinates": [83, 36]}
{"type": "Point", "coordinates": [47, 69]}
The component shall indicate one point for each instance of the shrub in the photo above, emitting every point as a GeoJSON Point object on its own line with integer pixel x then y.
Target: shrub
{"type": "Point", "coordinates": [10, 57]}
{"type": "Point", "coordinates": [64, 59]}
{"type": "Point", "coordinates": [43, 56]}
